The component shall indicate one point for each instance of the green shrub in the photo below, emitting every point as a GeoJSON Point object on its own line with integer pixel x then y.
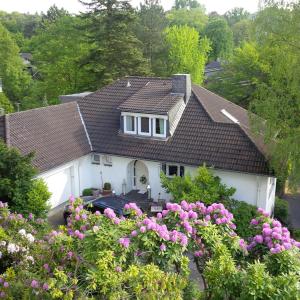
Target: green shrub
{"type": "Point", "coordinates": [107, 186]}
{"type": "Point", "coordinates": [296, 234]}
{"type": "Point", "coordinates": [281, 210]}
{"type": "Point", "coordinates": [204, 187]}
{"type": "Point", "coordinates": [38, 197]}
{"type": "Point", "coordinates": [87, 192]}
{"type": "Point", "coordinates": [192, 291]}
{"type": "Point", "coordinates": [243, 214]}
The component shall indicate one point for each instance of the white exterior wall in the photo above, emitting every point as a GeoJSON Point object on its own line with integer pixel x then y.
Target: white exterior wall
{"type": "Point", "coordinates": [254, 189]}
{"type": "Point", "coordinates": [68, 179]}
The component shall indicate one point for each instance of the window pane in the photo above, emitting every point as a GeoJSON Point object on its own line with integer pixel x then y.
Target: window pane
{"type": "Point", "coordinates": [130, 123]}
{"type": "Point", "coordinates": [145, 125]}
{"type": "Point", "coordinates": [173, 170]}
{"type": "Point", "coordinates": [160, 126]}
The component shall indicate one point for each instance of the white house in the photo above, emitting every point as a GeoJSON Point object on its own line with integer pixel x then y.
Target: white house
{"type": "Point", "coordinates": [130, 131]}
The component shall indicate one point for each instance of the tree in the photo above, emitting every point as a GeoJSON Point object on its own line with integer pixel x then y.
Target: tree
{"type": "Point", "coordinates": [59, 60]}
{"type": "Point", "coordinates": [241, 32]}
{"type": "Point", "coordinates": [241, 75]}
{"type": "Point", "coordinates": [236, 15]}
{"type": "Point", "coordinates": [54, 13]}
{"type": "Point", "coordinates": [194, 17]}
{"type": "Point", "coordinates": [17, 182]}
{"type": "Point", "coordinates": [116, 51]}
{"type": "Point", "coordinates": [277, 99]}
{"type": "Point", "coordinates": [187, 53]}
{"type": "Point", "coordinates": [152, 22]}
{"type": "Point", "coordinates": [221, 37]}
{"type": "Point", "coordinates": [190, 4]}
{"type": "Point", "coordinates": [15, 79]}
{"type": "Point", "coordinates": [5, 104]}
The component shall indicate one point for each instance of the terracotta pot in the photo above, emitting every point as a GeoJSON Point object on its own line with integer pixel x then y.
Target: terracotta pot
{"type": "Point", "coordinates": [106, 192]}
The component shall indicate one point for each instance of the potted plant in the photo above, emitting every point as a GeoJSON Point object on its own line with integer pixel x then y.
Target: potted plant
{"type": "Point", "coordinates": [106, 189]}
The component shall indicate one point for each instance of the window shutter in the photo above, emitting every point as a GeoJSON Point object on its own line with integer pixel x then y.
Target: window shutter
{"type": "Point", "coordinates": [181, 172]}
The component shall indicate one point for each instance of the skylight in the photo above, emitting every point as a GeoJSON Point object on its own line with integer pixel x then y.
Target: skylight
{"type": "Point", "coordinates": [230, 116]}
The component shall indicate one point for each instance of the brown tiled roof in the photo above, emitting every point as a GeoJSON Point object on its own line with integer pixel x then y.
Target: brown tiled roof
{"type": "Point", "coordinates": [55, 133]}
{"type": "Point", "coordinates": [152, 98]}
{"type": "Point", "coordinates": [198, 139]}
{"type": "Point", "coordinates": [213, 104]}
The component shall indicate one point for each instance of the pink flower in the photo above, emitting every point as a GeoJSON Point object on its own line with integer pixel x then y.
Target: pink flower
{"type": "Point", "coordinates": [159, 216]}
{"type": "Point", "coordinates": [118, 269]}
{"type": "Point", "coordinates": [45, 286]}
{"type": "Point", "coordinates": [134, 233]}
{"type": "Point", "coordinates": [254, 222]}
{"type": "Point", "coordinates": [124, 242]}
{"type": "Point", "coordinates": [34, 284]}
{"type": "Point", "coordinates": [143, 229]}
{"type": "Point", "coordinates": [258, 239]}
{"type": "Point", "coordinates": [72, 199]}
{"type": "Point", "coordinates": [162, 247]}
{"type": "Point", "coordinates": [6, 284]}
{"type": "Point", "coordinates": [97, 213]}
{"type": "Point", "coordinates": [2, 294]}
{"type": "Point", "coordinates": [109, 213]}
{"type": "Point", "coordinates": [198, 253]}
{"type": "Point", "coordinates": [81, 236]}
{"type": "Point", "coordinates": [77, 217]}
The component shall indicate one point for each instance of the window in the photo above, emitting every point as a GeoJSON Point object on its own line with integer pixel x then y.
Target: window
{"type": "Point", "coordinates": [144, 126]}
{"type": "Point", "coordinates": [129, 124]}
{"type": "Point", "coordinates": [96, 159]}
{"type": "Point", "coordinates": [107, 160]}
{"type": "Point", "coordinates": [172, 170]}
{"type": "Point", "coordinates": [159, 127]}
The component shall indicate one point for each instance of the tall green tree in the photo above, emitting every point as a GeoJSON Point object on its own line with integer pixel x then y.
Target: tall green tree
{"type": "Point", "coordinates": [150, 27]}
{"type": "Point", "coordinates": [194, 17]}
{"type": "Point", "coordinates": [14, 78]}
{"type": "Point", "coordinates": [187, 4]}
{"type": "Point", "coordinates": [187, 52]}
{"type": "Point", "coordinates": [58, 49]}
{"type": "Point", "coordinates": [116, 51]}
{"type": "Point", "coordinates": [236, 15]}
{"type": "Point", "coordinates": [221, 37]}
{"type": "Point", "coordinates": [277, 99]}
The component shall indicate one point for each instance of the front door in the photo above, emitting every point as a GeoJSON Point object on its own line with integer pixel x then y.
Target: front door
{"type": "Point", "coordinates": [140, 176]}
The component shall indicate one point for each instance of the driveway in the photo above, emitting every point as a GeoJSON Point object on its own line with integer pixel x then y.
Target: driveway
{"type": "Point", "coordinates": [294, 209]}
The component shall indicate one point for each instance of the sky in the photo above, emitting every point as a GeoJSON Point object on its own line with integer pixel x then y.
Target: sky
{"type": "Point", "coordinates": [73, 6]}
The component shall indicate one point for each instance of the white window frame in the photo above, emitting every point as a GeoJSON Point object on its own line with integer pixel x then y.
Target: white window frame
{"type": "Point", "coordinates": [107, 160]}
{"type": "Point", "coordinates": [154, 128]}
{"type": "Point", "coordinates": [125, 124]}
{"type": "Point", "coordinates": [140, 132]}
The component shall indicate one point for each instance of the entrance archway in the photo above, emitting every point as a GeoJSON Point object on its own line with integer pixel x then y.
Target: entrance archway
{"type": "Point", "coordinates": [138, 176]}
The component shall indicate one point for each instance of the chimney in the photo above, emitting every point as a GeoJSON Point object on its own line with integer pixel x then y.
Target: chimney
{"type": "Point", "coordinates": [181, 84]}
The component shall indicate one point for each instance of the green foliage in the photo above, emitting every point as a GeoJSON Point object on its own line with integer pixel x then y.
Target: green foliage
{"type": "Point", "coordinates": [6, 104]}
{"type": "Point", "coordinates": [115, 49]}
{"type": "Point", "coordinates": [204, 186]}
{"type": "Point", "coordinates": [192, 291]}
{"type": "Point", "coordinates": [187, 53]}
{"type": "Point", "coordinates": [87, 192]}
{"type": "Point", "coordinates": [296, 234]}
{"type": "Point", "coordinates": [221, 38]}
{"type": "Point", "coordinates": [107, 186]}
{"type": "Point", "coordinates": [149, 30]}
{"type": "Point", "coordinates": [187, 4]}
{"type": "Point", "coordinates": [243, 214]}
{"type": "Point", "coordinates": [60, 67]}
{"type": "Point", "coordinates": [236, 15]}
{"type": "Point", "coordinates": [281, 210]}
{"type": "Point", "coordinates": [38, 197]}
{"type": "Point", "coordinates": [17, 186]}
{"type": "Point", "coordinates": [15, 80]}
{"type": "Point", "coordinates": [194, 18]}
{"type": "Point", "coordinates": [241, 32]}
{"type": "Point", "coordinates": [16, 174]}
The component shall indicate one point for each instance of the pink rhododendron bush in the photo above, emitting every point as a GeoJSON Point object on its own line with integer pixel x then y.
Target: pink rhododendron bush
{"type": "Point", "coordinates": [103, 256]}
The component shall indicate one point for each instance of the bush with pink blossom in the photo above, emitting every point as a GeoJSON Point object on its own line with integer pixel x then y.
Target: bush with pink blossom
{"type": "Point", "coordinates": [106, 256]}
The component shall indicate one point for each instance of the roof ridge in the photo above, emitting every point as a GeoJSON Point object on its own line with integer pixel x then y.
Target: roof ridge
{"type": "Point", "coordinates": [148, 77]}
{"type": "Point", "coordinates": [41, 108]}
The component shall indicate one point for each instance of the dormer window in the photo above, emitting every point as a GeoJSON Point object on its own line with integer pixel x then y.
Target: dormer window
{"type": "Point", "coordinates": [130, 124]}
{"type": "Point", "coordinates": [159, 127]}
{"type": "Point", "coordinates": [144, 126]}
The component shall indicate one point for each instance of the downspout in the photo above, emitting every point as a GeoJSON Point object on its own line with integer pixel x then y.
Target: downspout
{"type": "Point", "coordinates": [257, 191]}
{"type": "Point", "coordinates": [79, 185]}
